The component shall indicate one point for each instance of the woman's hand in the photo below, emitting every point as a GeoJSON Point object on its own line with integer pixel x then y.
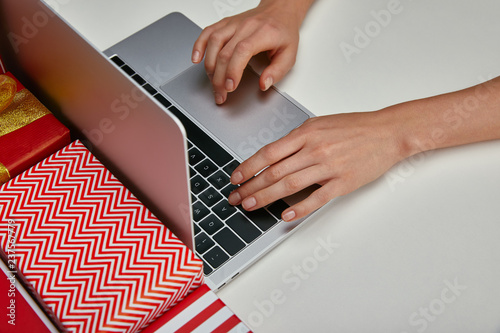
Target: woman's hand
{"type": "Point", "coordinates": [346, 151]}
{"type": "Point", "coordinates": [229, 44]}
{"type": "Point", "coordinates": [339, 152]}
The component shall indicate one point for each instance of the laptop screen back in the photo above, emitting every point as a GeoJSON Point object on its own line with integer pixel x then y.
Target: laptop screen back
{"type": "Point", "coordinates": [141, 144]}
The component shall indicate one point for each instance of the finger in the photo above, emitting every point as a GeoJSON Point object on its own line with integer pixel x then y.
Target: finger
{"type": "Point", "coordinates": [239, 50]}
{"type": "Point", "coordinates": [216, 41]}
{"type": "Point", "coordinates": [280, 65]}
{"type": "Point", "coordinates": [314, 201]}
{"type": "Point", "coordinates": [268, 155]}
{"type": "Point", "coordinates": [200, 45]}
{"type": "Point", "coordinates": [226, 76]}
{"type": "Point", "coordinates": [270, 176]}
{"type": "Point", "coordinates": [289, 185]}
{"type": "Point", "coordinates": [242, 52]}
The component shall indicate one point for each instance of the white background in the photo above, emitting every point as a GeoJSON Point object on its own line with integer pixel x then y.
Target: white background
{"type": "Point", "coordinates": [398, 245]}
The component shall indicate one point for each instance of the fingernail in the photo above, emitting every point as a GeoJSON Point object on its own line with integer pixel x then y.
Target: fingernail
{"type": "Point", "coordinates": [218, 98]}
{"type": "Point", "coordinates": [229, 85]}
{"type": "Point", "coordinates": [288, 216]}
{"type": "Point", "coordinates": [234, 198]}
{"type": "Point", "coordinates": [236, 178]}
{"type": "Point", "coordinates": [268, 83]}
{"type": "Point", "coordinates": [248, 203]}
{"type": "Point", "coordinates": [196, 56]}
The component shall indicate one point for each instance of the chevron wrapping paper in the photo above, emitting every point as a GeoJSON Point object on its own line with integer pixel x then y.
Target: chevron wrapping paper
{"type": "Point", "coordinates": [98, 258]}
{"type": "Point", "coordinates": [201, 311]}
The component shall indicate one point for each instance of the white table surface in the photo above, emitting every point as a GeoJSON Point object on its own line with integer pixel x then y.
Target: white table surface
{"type": "Point", "coordinates": [418, 255]}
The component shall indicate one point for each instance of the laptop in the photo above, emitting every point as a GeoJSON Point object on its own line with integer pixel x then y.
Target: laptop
{"type": "Point", "coordinates": [148, 114]}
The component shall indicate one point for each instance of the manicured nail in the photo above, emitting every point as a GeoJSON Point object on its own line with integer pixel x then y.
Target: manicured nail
{"type": "Point", "coordinates": [196, 57]}
{"type": "Point", "coordinates": [288, 216]}
{"type": "Point", "coordinates": [218, 98]}
{"type": "Point", "coordinates": [236, 178]}
{"type": "Point", "coordinates": [248, 203]}
{"type": "Point", "coordinates": [229, 85]}
{"type": "Point", "coordinates": [268, 83]}
{"type": "Point", "coordinates": [234, 198]}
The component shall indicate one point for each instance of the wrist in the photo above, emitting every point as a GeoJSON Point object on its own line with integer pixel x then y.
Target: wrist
{"type": "Point", "coordinates": [447, 120]}
{"type": "Point", "coordinates": [403, 121]}
{"type": "Point", "coordinates": [299, 7]}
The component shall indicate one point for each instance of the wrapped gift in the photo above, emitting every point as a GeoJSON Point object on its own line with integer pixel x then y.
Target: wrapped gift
{"type": "Point", "coordinates": [22, 313]}
{"type": "Point", "coordinates": [201, 311]}
{"type": "Point", "coordinates": [28, 131]}
{"type": "Point", "coordinates": [95, 255]}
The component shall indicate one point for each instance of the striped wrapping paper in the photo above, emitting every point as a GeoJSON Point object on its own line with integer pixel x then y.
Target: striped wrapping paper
{"type": "Point", "coordinates": [200, 312]}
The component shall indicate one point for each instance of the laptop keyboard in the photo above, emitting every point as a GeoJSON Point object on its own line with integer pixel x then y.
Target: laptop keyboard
{"type": "Point", "coordinates": [221, 230]}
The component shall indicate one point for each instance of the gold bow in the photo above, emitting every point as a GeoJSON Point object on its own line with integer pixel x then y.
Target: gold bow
{"type": "Point", "coordinates": [17, 109]}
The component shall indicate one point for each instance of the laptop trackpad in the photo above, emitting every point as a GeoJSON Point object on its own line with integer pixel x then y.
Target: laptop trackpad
{"type": "Point", "coordinates": [247, 121]}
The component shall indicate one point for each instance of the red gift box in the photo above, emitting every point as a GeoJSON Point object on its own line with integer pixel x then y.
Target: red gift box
{"type": "Point", "coordinates": [95, 255]}
{"type": "Point", "coordinates": [201, 311]}
{"type": "Point", "coordinates": [28, 131]}
{"type": "Point", "coordinates": [22, 314]}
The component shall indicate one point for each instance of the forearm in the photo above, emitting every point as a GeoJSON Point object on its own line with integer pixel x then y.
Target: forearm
{"type": "Point", "coordinates": [301, 6]}
{"type": "Point", "coordinates": [462, 117]}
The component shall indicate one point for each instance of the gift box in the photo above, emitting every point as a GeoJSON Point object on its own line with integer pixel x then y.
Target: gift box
{"type": "Point", "coordinates": [28, 131]}
{"type": "Point", "coordinates": [201, 311]}
{"type": "Point", "coordinates": [22, 314]}
{"type": "Point", "coordinates": [99, 260]}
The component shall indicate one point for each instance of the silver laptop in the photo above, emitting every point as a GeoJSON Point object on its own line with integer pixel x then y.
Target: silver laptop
{"type": "Point", "coordinates": [148, 114]}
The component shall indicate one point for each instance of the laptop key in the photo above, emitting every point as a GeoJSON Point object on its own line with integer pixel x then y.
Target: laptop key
{"type": "Point", "coordinates": [226, 191]}
{"type": "Point", "coordinates": [117, 60]}
{"type": "Point", "coordinates": [128, 70]}
{"type": "Point", "coordinates": [229, 241]}
{"type": "Point", "coordinates": [262, 219]}
{"type": "Point", "coordinates": [196, 229]}
{"type": "Point", "coordinates": [223, 209]}
{"type": "Point", "coordinates": [206, 167]}
{"type": "Point", "coordinates": [215, 257]}
{"type": "Point", "coordinates": [195, 156]}
{"type": "Point", "coordinates": [277, 208]}
{"type": "Point", "coordinates": [165, 102]}
{"type": "Point", "coordinates": [199, 211]}
{"type": "Point", "coordinates": [203, 243]}
{"type": "Point", "coordinates": [206, 268]}
{"type": "Point", "coordinates": [243, 227]}
{"type": "Point", "coordinates": [149, 88]}
{"type": "Point", "coordinates": [219, 179]}
{"type": "Point", "coordinates": [198, 184]}
{"type": "Point", "coordinates": [139, 79]}
{"type": "Point", "coordinates": [210, 197]}
{"type": "Point", "coordinates": [230, 167]}
{"type": "Point", "coordinates": [211, 224]}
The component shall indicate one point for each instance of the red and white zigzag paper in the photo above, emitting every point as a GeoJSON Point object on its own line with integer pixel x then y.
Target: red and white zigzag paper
{"type": "Point", "coordinates": [97, 257]}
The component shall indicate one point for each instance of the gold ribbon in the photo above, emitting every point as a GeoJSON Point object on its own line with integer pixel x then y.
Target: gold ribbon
{"type": "Point", "coordinates": [8, 89]}
{"type": "Point", "coordinates": [4, 174]}
{"type": "Point", "coordinates": [23, 110]}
